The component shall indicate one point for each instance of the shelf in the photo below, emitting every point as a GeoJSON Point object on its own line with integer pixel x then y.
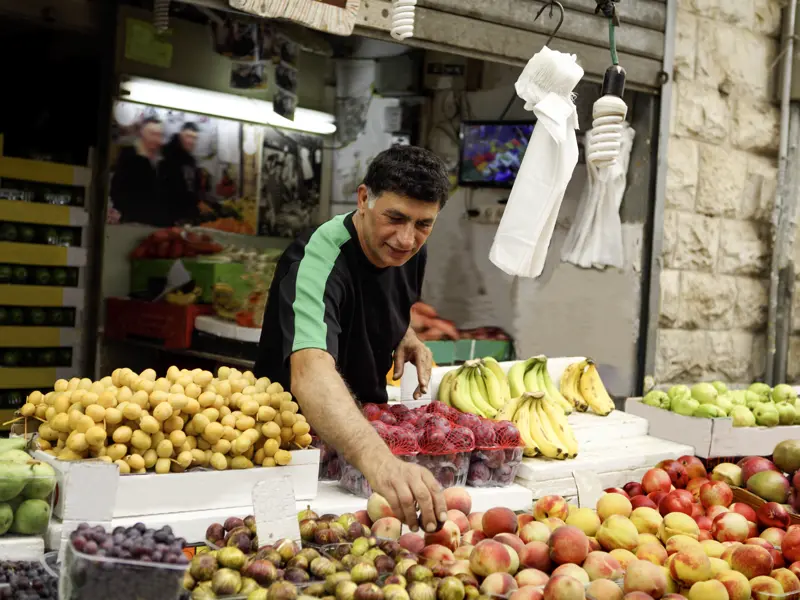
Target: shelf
{"type": "Point", "coordinates": [42, 255]}
{"type": "Point", "coordinates": [40, 295]}
{"type": "Point", "coordinates": [38, 337]}
{"type": "Point", "coordinates": [37, 213]}
{"type": "Point", "coordinates": [44, 172]}
{"type": "Point", "coordinates": [33, 377]}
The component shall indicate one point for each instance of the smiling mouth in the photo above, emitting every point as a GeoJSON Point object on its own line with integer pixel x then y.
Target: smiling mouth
{"type": "Point", "coordinates": [396, 251]}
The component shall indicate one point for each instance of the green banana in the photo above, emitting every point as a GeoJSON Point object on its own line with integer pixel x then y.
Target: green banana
{"type": "Point", "coordinates": [460, 395]}
{"type": "Point", "coordinates": [491, 363]}
{"type": "Point", "coordinates": [531, 378]}
{"type": "Point", "coordinates": [478, 399]}
{"type": "Point", "coordinates": [494, 391]}
{"type": "Point", "coordinates": [516, 378]}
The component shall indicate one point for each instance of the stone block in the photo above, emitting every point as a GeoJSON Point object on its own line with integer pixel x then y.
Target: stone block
{"type": "Point", "coordinates": [669, 236]}
{"type": "Point", "coordinates": [767, 17]}
{"type": "Point", "coordinates": [756, 125]}
{"type": "Point", "coordinates": [730, 355]}
{"type": "Point", "coordinates": [759, 190]}
{"type": "Point", "coordinates": [721, 181]}
{"type": "Point", "coordinates": [707, 301]}
{"type": "Point", "coordinates": [700, 112]}
{"type": "Point", "coordinates": [735, 12]}
{"type": "Point", "coordinates": [743, 248]}
{"type": "Point", "coordinates": [683, 160]}
{"type": "Point", "coordinates": [680, 356]}
{"type": "Point", "coordinates": [685, 46]}
{"type": "Point", "coordinates": [733, 59]}
{"type": "Point", "coordinates": [795, 305]}
{"type": "Point", "coordinates": [670, 298]}
{"type": "Point", "coordinates": [793, 368]}
{"type": "Point", "coordinates": [751, 303]}
{"type": "Point", "coordinates": [758, 364]}
{"type": "Point", "coordinates": [696, 243]}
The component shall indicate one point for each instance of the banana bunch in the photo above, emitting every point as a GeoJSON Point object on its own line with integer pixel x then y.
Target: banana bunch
{"type": "Point", "coordinates": [532, 376]}
{"type": "Point", "coordinates": [478, 387]}
{"type": "Point", "coordinates": [582, 387]}
{"type": "Point", "coordinates": [542, 425]}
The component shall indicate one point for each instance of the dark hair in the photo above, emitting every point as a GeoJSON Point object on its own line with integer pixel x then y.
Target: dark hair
{"type": "Point", "coordinates": [409, 171]}
{"type": "Point", "coordinates": [150, 121]}
{"type": "Point", "coordinates": [189, 126]}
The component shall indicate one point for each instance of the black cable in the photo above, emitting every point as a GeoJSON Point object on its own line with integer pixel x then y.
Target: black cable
{"type": "Point", "coordinates": [608, 8]}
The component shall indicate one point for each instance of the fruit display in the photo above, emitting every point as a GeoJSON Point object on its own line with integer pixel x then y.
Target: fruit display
{"type": "Point", "coordinates": [757, 406]}
{"type": "Point", "coordinates": [330, 468]}
{"type": "Point", "coordinates": [26, 580]}
{"type": "Point", "coordinates": [175, 242]}
{"type": "Point", "coordinates": [127, 564]}
{"type": "Point", "coordinates": [430, 326]}
{"type": "Point", "coordinates": [478, 387]}
{"type": "Point", "coordinates": [33, 233]}
{"type": "Point", "coordinates": [187, 419]}
{"type": "Point", "coordinates": [39, 275]}
{"type": "Point", "coordinates": [26, 488]}
{"type": "Point", "coordinates": [235, 532]}
{"type": "Point", "coordinates": [37, 315]}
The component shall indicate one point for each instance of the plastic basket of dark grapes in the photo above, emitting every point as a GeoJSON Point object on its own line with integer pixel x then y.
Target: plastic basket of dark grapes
{"type": "Point", "coordinates": [329, 465]}
{"type": "Point", "coordinates": [133, 563]}
{"type": "Point", "coordinates": [27, 580]}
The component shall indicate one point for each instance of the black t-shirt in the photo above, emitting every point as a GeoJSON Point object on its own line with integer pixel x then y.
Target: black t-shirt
{"type": "Point", "coordinates": [327, 295]}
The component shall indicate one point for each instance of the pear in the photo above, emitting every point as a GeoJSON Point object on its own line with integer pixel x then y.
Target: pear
{"type": "Point", "coordinates": [32, 517]}
{"type": "Point", "coordinates": [766, 414]}
{"type": "Point", "coordinates": [742, 417]}
{"type": "Point", "coordinates": [783, 393]}
{"type": "Point", "coordinates": [786, 413]}
{"type": "Point", "coordinates": [42, 481]}
{"type": "Point", "coordinates": [685, 405]}
{"type": "Point", "coordinates": [13, 479]}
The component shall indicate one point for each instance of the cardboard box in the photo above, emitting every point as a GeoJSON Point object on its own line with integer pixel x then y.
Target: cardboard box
{"type": "Point", "coordinates": [712, 437]}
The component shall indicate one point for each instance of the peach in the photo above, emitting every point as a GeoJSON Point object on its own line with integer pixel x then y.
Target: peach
{"type": "Point", "coordinates": [716, 493]}
{"type": "Point", "coordinates": [594, 545]}
{"type": "Point", "coordinates": [795, 568]}
{"type": "Point", "coordinates": [751, 561]}
{"type": "Point", "coordinates": [624, 557]}
{"type": "Point", "coordinates": [778, 561]}
{"type": "Point", "coordinates": [378, 507]}
{"type": "Point", "coordinates": [730, 548]}
{"type": "Point", "coordinates": [463, 552]}
{"type": "Point", "coordinates": [456, 568]}
{"type": "Point", "coordinates": [644, 576]}
{"type": "Point", "coordinates": [413, 542]}
{"type": "Point", "coordinates": [642, 501]}
{"type": "Point", "coordinates": [568, 545]}
{"type": "Point", "coordinates": [689, 567]}
{"type": "Point", "coordinates": [715, 511]}
{"type": "Point", "coordinates": [753, 529]}
{"type": "Point", "coordinates": [763, 588]}
{"type": "Point", "coordinates": [603, 589]}
{"type": "Point", "coordinates": [791, 544]}
{"type": "Point", "coordinates": [618, 532]}
{"type": "Point", "coordinates": [694, 486]}
{"type": "Point", "coordinates": [514, 559]}
{"type": "Point", "coordinates": [601, 565]}
{"type": "Point", "coordinates": [718, 566]}
{"type": "Point", "coordinates": [490, 557]}
{"type": "Point", "coordinates": [387, 527]}
{"type": "Point", "coordinates": [509, 539]}
{"type": "Point", "coordinates": [773, 535]}
{"type": "Point", "coordinates": [438, 553]}
{"type": "Point", "coordinates": [694, 466]}
{"type": "Point", "coordinates": [743, 509]}
{"type": "Point", "coordinates": [498, 584]}
{"type": "Point", "coordinates": [531, 577]}
{"type": "Point", "coordinates": [449, 536]}
{"type": "Point", "coordinates": [703, 522]}
{"type": "Point", "coordinates": [708, 590]}
{"type": "Point", "coordinates": [704, 535]}
{"type": "Point", "coordinates": [535, 532]}
{"type": "Point", "coordinates": [737, 585]}
{"type": "Point", "coordinates": [646, 520]}
{"type": "Point", "coordinates": [672, 586]}
{"type": "Point", "coordinates": [656, 480]}
{"type": "Point", "coordinates": [730, 527]}
{"type": "Point", "coordinates": [677, 524]}
{"type": "Point", "coordinates": [712, 548]}
{"type": "Point", "coordinates": [674, 596]}
{"type": "Point", "coordinates": [613, 504]}
{"type": "Point", "coordinates": [637, 596]}
{"type": "Point", "coordinates": [527, 592]}
{"type": "Point", "coordinates": [646, 538]}
{"type": "Point", "coordinates": [585, 519]}
{"type": "Point", "coordinates": [653, 552]}
{"type": "Point", "coordinates": [363, 517]}
{"type": "Point", "coordinates": [523, 520]}
{"type": "Point", "coordinates": [788, 580]}
{"type": "Point", "coordinates": [553, 523]}
{"type": "Point", "coordinates": [499, 520]}
{"type": "Point", "coordinates": [759, 542]}
{"type": "Point", "coordinates": [682, 543]}
{"type": "Point", "coordinates": [459, 518]}
{"type": "Point", "coordinates": [457, 498]}
{"type": "Point", "coordinates": [473, 536]}
{"type": "Point", "coordinates": [475, 521]}
{"type": "Point", "coordinates": [550, 506]}
{"type": "Point", "coordinates": [564, 587]}
{"type": "Point", "coordinates": [574, 571]}
{"type": "Point", "coordinates": [535, 555]}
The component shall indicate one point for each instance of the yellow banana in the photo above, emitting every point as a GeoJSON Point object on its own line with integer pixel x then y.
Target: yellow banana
{"type": "Point", "coordinates": [445, 386]}
{"type": "Point", "coordinates": [491, 363]}
{"type": "Point", "coordinates": [594, 392]}
{"type": "Point", "coordinates": [523, 422]}
{"type": "Point", "coordinates": [477, 396]}
{"type": "Point", "coordinates": [481, 383]}
{"type": "Point", "coordinates": [509, 410]}
{"type": "Point", "coordinates": [460, 395]}
{"type": "Point", "coordinates": [531, 378]}
{"type": "Point", "coordinates": [552, 392]}
{"type": "Point", "coordinates": [516, 378]}
{"type": "Point", "coordinates": [561, 426]}
{"type": "Point", "coordinates": [548, 443]}
{"type": "Point", "coordinates": [494, 392]}
{"type": "Point", "coordinates": [569, 386]}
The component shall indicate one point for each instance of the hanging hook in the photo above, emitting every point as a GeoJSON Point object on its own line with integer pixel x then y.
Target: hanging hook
{"type": "Point", "coordinates": [552, 4]}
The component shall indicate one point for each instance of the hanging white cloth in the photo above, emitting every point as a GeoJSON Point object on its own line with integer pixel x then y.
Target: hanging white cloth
{"type": "Point", "coordinates": [523, 236]}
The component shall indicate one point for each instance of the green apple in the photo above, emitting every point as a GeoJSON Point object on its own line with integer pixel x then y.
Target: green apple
{"type": "Point", "coordinates": [742, 417]}
{"type": "Point", "coordinates": [656, 398]}
{"type": "Point", "coordinates": [766, 414]}
{"type": "Point", "coordinates": [720, 386]}
{"type": "Point", "coordinates": [684, 405]}
{"type": "Point", "coordinates": [709, 411]}
{"type": "Point", "coordinates": [783, 393]}
{"type": "Point", "coordinates": [786, 413]}
{"type": "Point", "coordinates": [704, 393]}
{"type": "Point", "coordinates": [762, 389]}
{"type": "Point", "coordinates": [679, 390]}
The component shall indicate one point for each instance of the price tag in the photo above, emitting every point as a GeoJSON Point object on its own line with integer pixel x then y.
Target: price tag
{"type": "Point", "coordinates": [275, 507]}
{"type": "Point", "coordinates": [589, 488]}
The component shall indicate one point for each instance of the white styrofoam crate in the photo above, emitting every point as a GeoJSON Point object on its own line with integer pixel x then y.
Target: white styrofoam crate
{"type": "Point", "coordinates": [712, 438]}
{"type": "Point", "coordinates": [22, 547]}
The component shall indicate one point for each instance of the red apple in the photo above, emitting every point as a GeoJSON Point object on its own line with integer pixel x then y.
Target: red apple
{"type": "Point", "coordinates": [795, 568]}
{"type": "Point", "coordinates": [753, 529]}
{"type": "Point", "coordinates": [716, 493]}
{"type": "Point", "coordinates": [673, 502]}
{"type": "Point", "coordinates": [697, 510]}
{"type": "Point", "coordinates": [633, 489]}
{"type": "Point", "coordinates": [773, 514]}
{"type": "Point", "coordinates": [656, 480]}
{"type": "Point", "coordinates": [676, 471]}
{"type": "Point", "coordinates": [703, 522]}
{"type": "Point", "coordinates": [704, 535]}
{"type": "Point", "coordinates": [617, 491]}
{"type": "Point", "coordinates": [656, 497]}
{"type": "Point", "coordinates": [639, 501]}
{"type": "Point", "coordinates": [743, 509]}
{"type": "Point", "coordinates": [774, 536]}
{"type": "Point", "coordinates": [714, 511]}
{"type": "Point", "coordinates": [694, 466]}
{"type": "Point", "coordinates": [755, 464]}
{"type": "Point", "coordinates": [694, 486]}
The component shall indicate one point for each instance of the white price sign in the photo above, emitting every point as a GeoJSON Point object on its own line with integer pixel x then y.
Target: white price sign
{"type": "Point", "coordinates": [274, 505]}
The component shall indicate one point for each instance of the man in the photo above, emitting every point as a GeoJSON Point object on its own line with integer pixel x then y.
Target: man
{"type": "Point", "coordinates": [339, 308]}
{"type": "Point", "coordinates": [179, 177]}
{"type": "Point", "coordinates": [134, 186]}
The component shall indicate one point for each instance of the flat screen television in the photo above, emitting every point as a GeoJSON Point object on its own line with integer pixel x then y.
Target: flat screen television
{"type": "Point", "coordinates": [491, 152]}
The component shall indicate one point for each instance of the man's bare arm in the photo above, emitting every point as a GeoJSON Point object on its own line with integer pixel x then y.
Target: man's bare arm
{"type": "Point", "coordinates": [330, 409]}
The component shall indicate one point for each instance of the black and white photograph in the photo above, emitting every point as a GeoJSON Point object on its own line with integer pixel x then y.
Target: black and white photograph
{"type": "Point", "coordinates": [285, 49]}
{"type": "Point", "coordinates": [291, 177]}
{"type": "Point", "coordinates": [284, 103]}
{"type": "Point", "coordinates": [249, 76]}
{"type": "Point", "coordinates": [286, 77]}
{"type": "Point", "coordinates": [236, 39]}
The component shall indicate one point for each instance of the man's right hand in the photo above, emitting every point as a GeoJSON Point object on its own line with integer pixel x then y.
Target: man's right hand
{"type": "Point", "coordinates": [406, 486]}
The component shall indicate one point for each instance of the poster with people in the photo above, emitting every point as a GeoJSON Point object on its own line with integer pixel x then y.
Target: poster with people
{"type": "Point", "coordinates": [172, 168]}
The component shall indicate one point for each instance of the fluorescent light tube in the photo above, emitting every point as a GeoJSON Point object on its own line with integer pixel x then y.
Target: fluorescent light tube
{"type": "Point", "coordinates": [227, 106]}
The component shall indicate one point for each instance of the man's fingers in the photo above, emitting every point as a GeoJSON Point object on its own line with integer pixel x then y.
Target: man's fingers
{"type": "Point", "coordinates": [439, 504]}
{"type": "Point", "coordinates": [423, 361]}
{"type": "Point", "coordinates": [426, 505]}
{"type": "Point", "coordinates": [399, 363]}
{"type": "Point", "coordinates": [391, 498]}
{"type": "Point", "coordinates": [405, 498]}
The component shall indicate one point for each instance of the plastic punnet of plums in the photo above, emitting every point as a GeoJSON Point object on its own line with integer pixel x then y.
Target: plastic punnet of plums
{"type": "Point", "coordinates": [27, 581]}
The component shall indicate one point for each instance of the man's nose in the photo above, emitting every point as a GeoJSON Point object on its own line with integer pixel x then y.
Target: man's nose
{"type": "Point", "coordinates": [405, 237]}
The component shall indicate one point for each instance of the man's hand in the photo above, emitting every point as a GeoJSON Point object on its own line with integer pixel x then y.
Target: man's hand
{"type": "Point", "coordinates": [406, 486]}
{"type": "Point", "coordinates": [411, 349]}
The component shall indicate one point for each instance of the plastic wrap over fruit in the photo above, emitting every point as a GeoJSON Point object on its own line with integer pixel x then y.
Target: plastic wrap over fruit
{"type": "Point", "coordinates": [329, 464]}
{"type": "Point", "coordinates": [498, 452]}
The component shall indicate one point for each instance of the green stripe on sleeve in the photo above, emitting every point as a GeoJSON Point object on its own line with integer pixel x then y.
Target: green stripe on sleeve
{"type": "Point", "coordinates": [321, 252]}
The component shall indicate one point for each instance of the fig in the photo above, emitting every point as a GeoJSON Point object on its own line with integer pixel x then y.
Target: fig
{"type": "Point", "coordinates": [316, 589]}
{"type": "Point", "coordinates": [231, 558]}
{"type": "Point", "coordinates": [259, 594]}
{"type": "Point", "coordinates": [282, 590]}
{"type": "Point", "coordinates": [309, 554]}
{"type": "Point", "coordinates": [270, 554]}
{"type": "Point", "coordinates": [346, 520]}
{"type": "Point", "coordinates": [360, 546]}
{"type": "Point", "coordinates": [240, 540]}
{"type": "Point", "coordinates": [403, 565]}
{"type": "Point", "coordinates": [324, 537]}
{"type": "Point", "coordinates": [215, 533]}
{"type": "Point", "coordinates": [288, 549]}
{"type": "Point", "coordinates": [450, 588]}
{"type": "Point", "coordinates": [203, 592]}
{"type": "Point", "coordinates": [307, 529]}
{"type": "Point", "coordinates": [467, 579]}
{"type": "Point", "coordinates": [368, 591]}
{"type": "Point", "coordinates": [226, 582]}
{"type": "Point", "coordinates": [322, 567]}
{"type": "Point", "coordinates": [384, 564]}
{"type": "Point", "coordinates": [295, 575]}
{"type": "Point", "coordinates": [418, 573]}
{"type": "Point", "coordinates": [364, 573]}
{"type": "Point", "coordinates": [356, 530]}
{"type": "Point", "coordinates": [421, 591]}
{"type": "Point", "coordinates": [331, 581]}
{"type": "Point", "coordinates": [339, 551]}
{"type": "Point", "coordinates": [351, 560]}
{"type": "Point", "coordinates": [395, 580]}
{"type": "Point", "coordinates": [203, 566]}
{"type": "Point", "coordinates": [262, 571]}
{"type": "Point", "coordinates": [232, 523]}
{"type": "Point", "coordinates": [373, 553]}
{"type": "Point", "coordinates": [345, 590]}
{"type": "Point", "coordinates": [298, 562]}
{"type": "Point", "coordinates": [307, 514]}
{"type": "Point", "coordinates": [248, 585]}
{"type": "Point", "coordinates": [394, 592]}
{"type": "Point", "coordinates": [329, 517]}
{"type": "Point", "coordinates": [340, 531]}
{"type": "Point", "coordinates": [188, 581]}
{"type": "Point", "coordinates": [250, 523]}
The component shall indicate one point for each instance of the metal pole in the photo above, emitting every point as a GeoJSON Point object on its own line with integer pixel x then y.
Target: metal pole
{"type": "Point", "coordinates": [782, 221]}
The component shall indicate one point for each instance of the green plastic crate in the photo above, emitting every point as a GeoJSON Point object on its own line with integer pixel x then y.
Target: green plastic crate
{"type": "Point", "coordinates": [206, 274]}
{"type": "Point", "coordinates": [449, 353]}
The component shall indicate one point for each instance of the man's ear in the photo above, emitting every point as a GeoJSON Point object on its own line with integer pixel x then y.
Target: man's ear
{"type": "Point", "coordinates": [363, 198]}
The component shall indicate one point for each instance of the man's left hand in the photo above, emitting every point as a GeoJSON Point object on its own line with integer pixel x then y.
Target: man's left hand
{"type": "Point", "coordinates": [411, 349]}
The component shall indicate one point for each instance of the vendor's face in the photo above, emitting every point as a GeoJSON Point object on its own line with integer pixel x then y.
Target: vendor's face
{"type": "Point", "coordinates": [188, 140]}
{"type": "Point", "coordinates": [152, 136]}
{"type": "Point", "coordinates": [395, 228]}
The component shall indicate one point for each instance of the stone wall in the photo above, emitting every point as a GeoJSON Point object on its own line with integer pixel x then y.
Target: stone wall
{"type": "Point", "coordinates": [722, 173]}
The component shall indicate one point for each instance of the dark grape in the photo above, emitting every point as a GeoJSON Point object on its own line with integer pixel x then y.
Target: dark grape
{"type": "Point", "coordinates": [27, 581]}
